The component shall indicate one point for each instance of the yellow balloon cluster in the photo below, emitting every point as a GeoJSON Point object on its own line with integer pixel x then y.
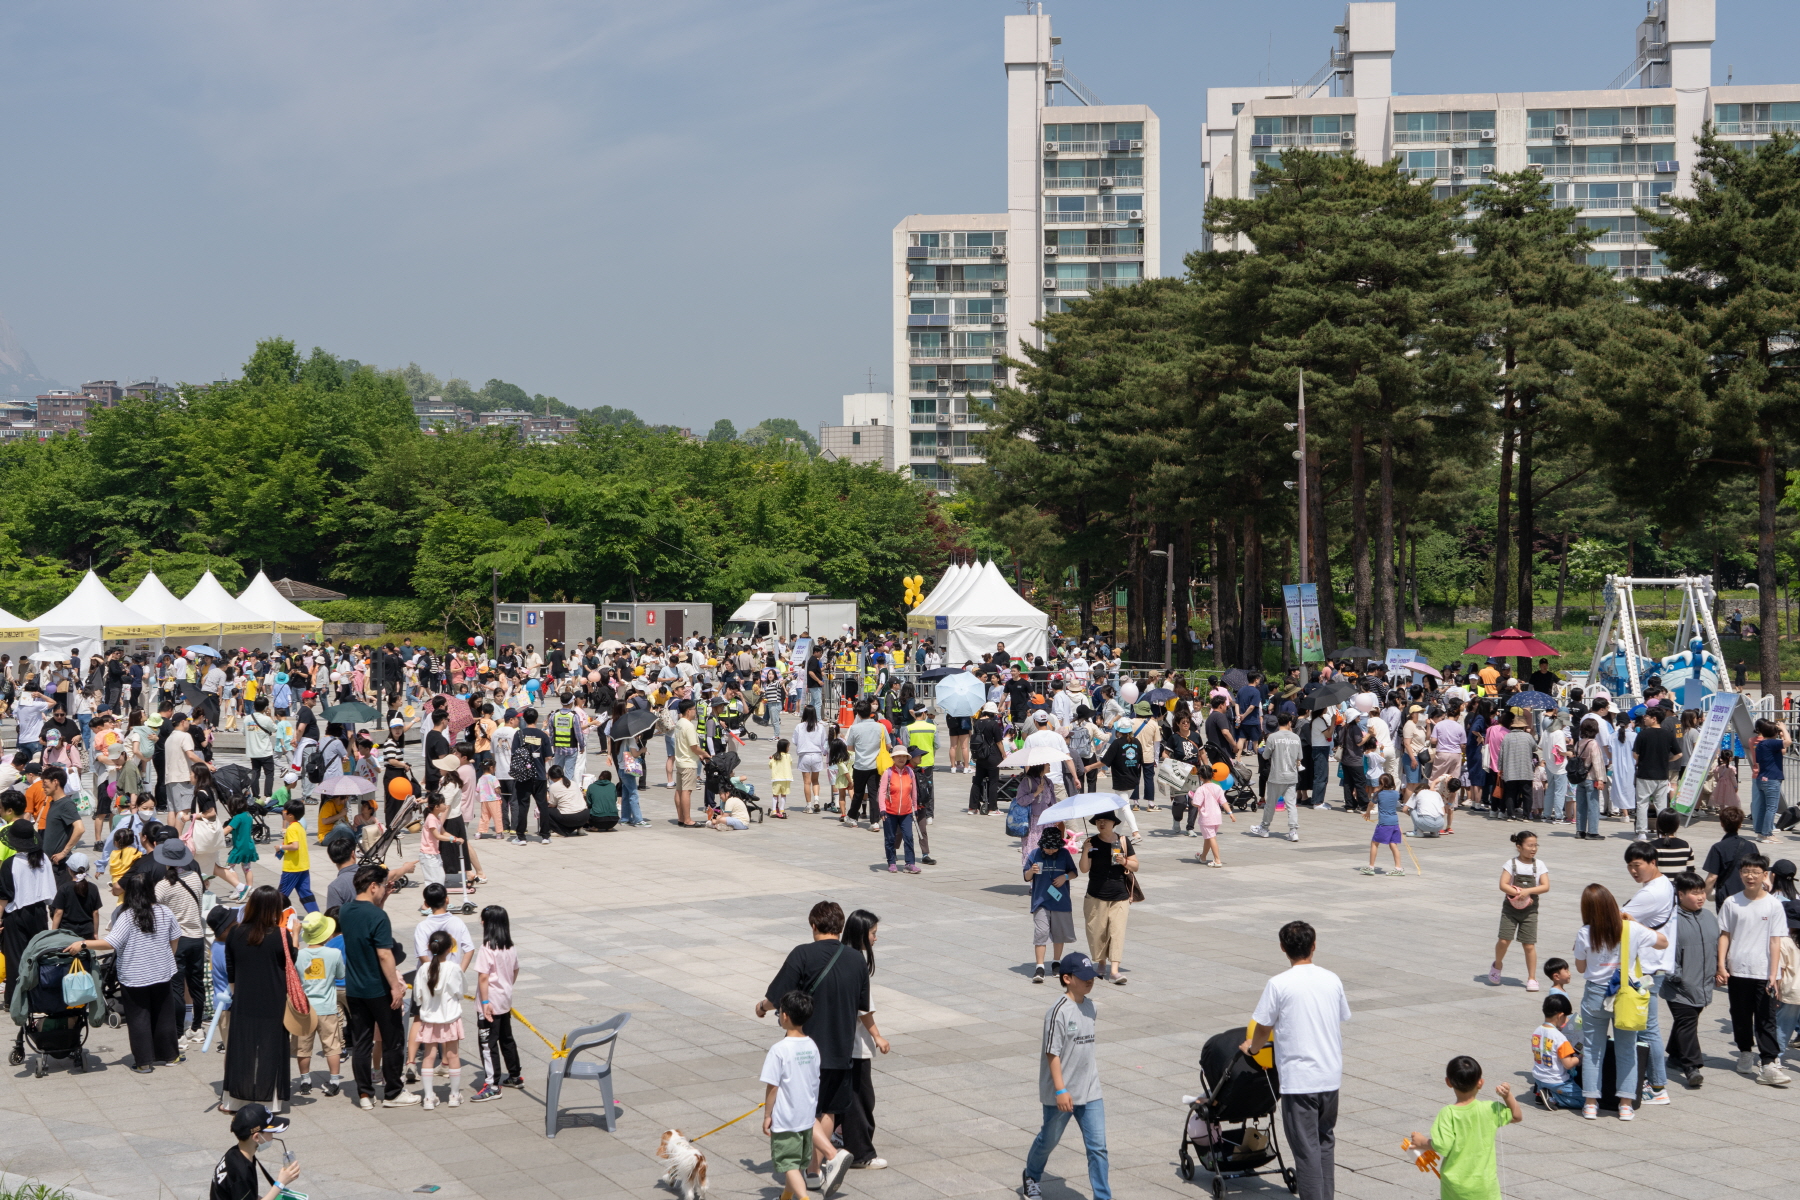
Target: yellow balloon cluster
{"type": "Point", "coordinates": [915, 590]}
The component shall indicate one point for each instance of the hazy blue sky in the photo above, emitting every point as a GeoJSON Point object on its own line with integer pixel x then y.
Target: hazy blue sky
{"type": "Point", "coordinates": [681, 207]}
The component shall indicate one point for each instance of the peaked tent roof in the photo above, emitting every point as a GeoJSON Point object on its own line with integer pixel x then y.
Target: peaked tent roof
{"type": "Point", "coordinates": [988, 611]}
{"type": "Point", "coordinates": [262, 599]}
{"type": "Point", "coordinates": [210, 597]}
{"type": "Point", "coordinates": [91, 604]}
{"type": "Point", "coordinates": [158, 603]}
{"type": "Point", "coordinates": [991, 596]}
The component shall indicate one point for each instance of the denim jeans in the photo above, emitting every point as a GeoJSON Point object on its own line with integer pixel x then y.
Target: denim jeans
{"type": "Point", "coordinates": [816, 698]}
{"type": "Point", "coordinates": [1765, 805]}
{"type": "Point", "coordinates": [1587, 807]}
{"type": "Point", "coordinates": [1652, 1035]}
{"type": "Point", "coordinates": [1556, 795]}
{"type": "Point", "coordinates": [1787, 1019]}
{"type": "Point", "coordinates": [569, 759]}
{"type": "Point", "coordinates": [772, 710]}
{"type": "Point", "coordinates": [1566, 1094]}
{"type": "Point", "coordinates": [1091, 1118]}
{"type": "Point", "coordinates": [896, 830]}
{"type": "Point", "coordinates": [1595, 1021]}
{"type": "Point", "coordinates": [1427, 826]}
{"type": "Point", "coordinates": [629, 812]}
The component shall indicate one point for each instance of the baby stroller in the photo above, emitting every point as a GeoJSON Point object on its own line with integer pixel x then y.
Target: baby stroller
{"type": "Point", "coordinates": [54, 1028]}
{"type": "Point", "coordinates": [1230, 1126]}
{"type": "Point", "coordinates": [232, 782]}
{"type": "Point", "coordinates": [721, 781]}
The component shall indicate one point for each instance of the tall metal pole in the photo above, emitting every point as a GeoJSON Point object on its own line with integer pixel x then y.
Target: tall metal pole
{"type": "Point", "coordinates": [1169, 624]}
{"type": "Point", "coordinates": [1305, 545]}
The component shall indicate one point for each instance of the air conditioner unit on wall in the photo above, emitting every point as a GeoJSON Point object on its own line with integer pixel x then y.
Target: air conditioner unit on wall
{"type": "Point", "coordinates": [1487, 135]}
{"type": "Point", "coordinates": [1348, 135]}
{"type": "Point", "coordinates": [1561, 131]}
{"type": "Point", "coordinates": [1050, 251]}
{"type": "Point", "coordinates": [1458, 170]}
{"type": "Point", "coordinates": [996, 285]}
{"type": "Point", "coordinates": [997, 250]}
{"type": "Point", "coordinates": [1137, 144]}
{"type": "Point", "coordinates": [1136, 214]}
{"type": "Point", "coordinates": [1487, 168]}
{"type": "Point", "coordinates": [1049, 285]}
{"type": "Point", "coordinates": [1050, 147]}
{"type": "Point", "coordinates": [1106, 181]}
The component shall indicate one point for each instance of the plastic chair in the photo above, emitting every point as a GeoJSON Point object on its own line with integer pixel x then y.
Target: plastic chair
{"type": "Point", "coordinates": [588, 1037]}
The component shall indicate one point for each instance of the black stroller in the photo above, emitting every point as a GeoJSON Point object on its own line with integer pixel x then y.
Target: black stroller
{"type": "Point", "coordinates": [53, 1028]}
{"type": "Point", "coordinates": [717, 771]}
{"type": "Point", "coordinates": [1230, 1126]}
{"type": "Point", "coordinates": [232, 782]}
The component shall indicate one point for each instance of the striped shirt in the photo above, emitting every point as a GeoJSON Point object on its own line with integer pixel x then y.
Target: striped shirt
{"type": "Point", "coordinates": [143, 959]}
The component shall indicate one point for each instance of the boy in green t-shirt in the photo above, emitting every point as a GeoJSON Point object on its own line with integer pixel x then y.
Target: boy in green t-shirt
{"type": "Point", "coordinates": [1463, 1134]}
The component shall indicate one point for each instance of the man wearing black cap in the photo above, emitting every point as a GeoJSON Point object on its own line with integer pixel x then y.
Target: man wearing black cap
{"type": "Point", "coordinates": [235, 1176]}
{"type": "Point", "coordinates": [1069, 1079]}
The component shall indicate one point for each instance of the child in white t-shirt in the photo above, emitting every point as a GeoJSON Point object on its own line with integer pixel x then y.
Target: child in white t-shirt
{"type": "Point", "coordinates": [1554, 1059]}
{"type": "Point", "coordinates": [791, 1071]}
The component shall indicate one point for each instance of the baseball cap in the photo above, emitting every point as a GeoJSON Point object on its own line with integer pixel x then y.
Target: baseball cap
{"type": "Point", "coordinates": [254, 1118]}
{"type": "Point", "coordinates": [77, 864]}
{"type": "Point", "coordinates": [1041, 717]}
{"type": "Point", "coordinates": [1075, 963]}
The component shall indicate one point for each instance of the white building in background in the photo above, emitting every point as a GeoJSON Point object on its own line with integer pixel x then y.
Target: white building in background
{"type": "Point", "coordinates": [1605, 150]}
{"type": "Point", "coordinates": [867, 434]}
{"type": "Point", "coordinates": [1083, 211]}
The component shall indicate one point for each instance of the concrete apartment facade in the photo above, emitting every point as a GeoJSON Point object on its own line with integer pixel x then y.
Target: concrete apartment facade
{"type": "Point", "coordinates": [867, 434]}
{"type": "Point", "coordinates": [1603, 150]}
{"type": "Point", "coordinates": [1083, 212]}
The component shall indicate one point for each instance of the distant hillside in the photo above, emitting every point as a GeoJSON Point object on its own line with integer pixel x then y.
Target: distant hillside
{"type": "Point", "coordinates": [19, 376]}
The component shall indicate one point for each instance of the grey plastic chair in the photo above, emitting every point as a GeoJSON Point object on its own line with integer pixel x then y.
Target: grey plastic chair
{"type": "Point", "coordinates": [588, 1037]}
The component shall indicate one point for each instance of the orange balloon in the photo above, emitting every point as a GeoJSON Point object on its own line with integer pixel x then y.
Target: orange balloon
{"type": "Point", "coordinates": [400, 787]}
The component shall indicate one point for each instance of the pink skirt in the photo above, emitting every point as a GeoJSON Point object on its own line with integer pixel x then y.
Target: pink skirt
{"type": "Point", "coordinates": [447, 1031]}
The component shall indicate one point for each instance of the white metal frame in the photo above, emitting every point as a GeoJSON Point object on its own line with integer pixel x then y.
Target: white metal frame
{"type": "Point", "coordinates": [1696, 616]}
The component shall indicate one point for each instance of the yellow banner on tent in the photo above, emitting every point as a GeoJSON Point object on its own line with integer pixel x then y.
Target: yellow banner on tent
{"type": "Point", "coordinates": [23, 633]}
{"type": "Point", "coordinates": [299, 626]}
{"type": "Point", "coordinates": [187, 631]}
{"type": "Point", "coordinates": [230, 629]}
{"type": "Point", "coordinates": [920, 624]}
{"type": "Point", "coordinates": [120, 632]}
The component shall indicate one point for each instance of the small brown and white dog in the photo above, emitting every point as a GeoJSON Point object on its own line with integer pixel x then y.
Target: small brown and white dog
{"type": "Point", "coordinates": [686, 1175]}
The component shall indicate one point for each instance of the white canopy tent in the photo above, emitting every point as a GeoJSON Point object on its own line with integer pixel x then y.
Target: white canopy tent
{"type": "Point", "coordinates": [262, 599]}
{"type": "Point", "coordinates": [17, 638]}
{"type": "Point", "coordinates": [181, 622]}
{"type": "Point", "coordinates": [923, 619]}
{"type": "Point", "coordinates": [987, 611]}
{"type": "Point", "coordinates": [89, 617]}
{"type": "Point", "coordinates": [238, 625]}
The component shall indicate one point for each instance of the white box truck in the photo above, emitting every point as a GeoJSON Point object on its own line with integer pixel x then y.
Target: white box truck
{"type": "Point", "coordinates": [787, 615]}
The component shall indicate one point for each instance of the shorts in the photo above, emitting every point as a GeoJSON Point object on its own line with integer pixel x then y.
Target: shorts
{"type": "Point", "coordinates": [103, 800]}
{"type": "Point", "coordinates": [780, 788]}
{"type": "Point", "coordinates": [330, 1036]}
{"type": "Point", "coordinates": [1518, 924]}
{"type": "Point", "coordinates": [687, 779]}
{"type": "Point", "coordinates": [960, 726]}
{"type": "Point", "coordinates": [791, 1149]}
{"type": "Point", "coordinates": [1386, 835]}
{"type": "Point", "coordinates": [1048, 925]}
{"type": "Point", "coordinates": [181, 796]}
{"type": "Point", "coordinates": [812, 764]}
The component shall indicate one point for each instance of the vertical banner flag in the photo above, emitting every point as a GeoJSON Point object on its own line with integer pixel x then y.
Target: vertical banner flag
{"type": "Point", "coordinates": [1303, 621]}
{"type": "Point", "coordinates": [1719, 707]}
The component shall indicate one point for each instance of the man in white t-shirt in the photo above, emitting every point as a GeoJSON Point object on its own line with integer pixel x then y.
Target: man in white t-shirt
{"type": "Point", "coordinates": [1303, 1010]}
{"type": "Point", "coordinates": [1559, 797]}
{"type": "Point", "coordinates": [1429, 816]}
{"type": "Point", "coordinates": [1654, 908]}
{"type": "Point", "coordinates": [1751, 926]}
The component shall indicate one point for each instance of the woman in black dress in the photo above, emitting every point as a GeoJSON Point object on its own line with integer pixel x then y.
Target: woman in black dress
{"type": "Point", "coordinates": [256, 1056]}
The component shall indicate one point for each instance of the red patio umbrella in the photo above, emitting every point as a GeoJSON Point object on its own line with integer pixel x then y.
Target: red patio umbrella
{"type": "Point", "coordinates": [1511, 643]}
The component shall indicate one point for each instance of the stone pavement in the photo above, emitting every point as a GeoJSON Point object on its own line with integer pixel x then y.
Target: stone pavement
{"type": "Point", "coordinates": [684, 930]}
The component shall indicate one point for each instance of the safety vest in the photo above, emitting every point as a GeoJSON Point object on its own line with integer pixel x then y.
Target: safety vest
{"type": "Point", "coordinates": [921, 735]}
{"type": "Point", "coordinates": [563, 724]}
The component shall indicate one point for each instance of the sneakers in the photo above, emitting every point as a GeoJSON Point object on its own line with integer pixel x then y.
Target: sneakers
{"type": "Point", "coordinates": [1365, 870]}
{"type": "Point", "coordinates": [1590, 1110]}
{"type": "Point", "coordinates": [928, 860]}
{"type": "Point", "coordinates": [485, 1093]}
{"type": "Point", "coordinates": [332, 1087]}
{"type": "Point", "coordinates": [1656, 1095]}
{"type": "Point", "coordinates": [911, 869]}
{"type": "Point", "coordinates": [1259, 831]}
{"type": "Point", "coordinates": [1746, 1064]}
{"type": "Point", "coordinates": [832, 1174]}
{"type": "Point", "coordinates": [1293, 835]}
{"type": "Point", "coordinates": [515, 841]}
{"type": "Point", "coordinates": [1773, 1075]}
{"type": "Point", "coordinates": [893, 869]}
{"type": "Point", "coordinates": [1037, 975]}
{"type": "Point", "coordinates": [1029, 1190]}
{"type": "Point", "coordinates": [402, 1100]}
{"type": "Point", "coordinates": [1626, 1112]}
{"type": "Point", "coordinates": [455, 1098]}
{"type": "Point", "coordinates": [870, 1164]}
{"type": "Point", "coordinates": [1531, 985]}
{"type": "Point", "coordinates": [365, 1102]}
{"type": "Point", "coordinates": [303, 1086]}
{"type": "Point", "coordinates": [1494, 977]}
{"type": "Point", "coordinates": [428, 1100]}
{"type": "Point", "coordinates": [1393, 871]}
{"type": "Point", "coordinates": [1695, 1079]}
{"type": "Point", "coordinates": [513, 1081]}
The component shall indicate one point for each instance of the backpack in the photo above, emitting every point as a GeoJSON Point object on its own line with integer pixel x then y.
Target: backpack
{"type": "Point", "coordinates": [1578, 764]}
{"type": "Point", "coordinates": [312, 765]}
{"type": "Point", "coordinates": [979, 741]}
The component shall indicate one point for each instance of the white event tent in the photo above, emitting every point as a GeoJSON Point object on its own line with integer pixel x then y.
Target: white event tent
{"type": "Point", "coordinates": [238, 625]}
{"type": "Point", "coordinates": [181, 622]}
{"type": "Point", "coordinates": [987, 610]}
{"type": "Point", "coordinates": [262, 599]}
{"type": "Point", "coordinates": [17, 638]}
{"type": "Point", "coordinates": [89, 617]}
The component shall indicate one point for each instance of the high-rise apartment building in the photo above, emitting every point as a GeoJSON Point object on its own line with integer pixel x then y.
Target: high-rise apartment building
{"type": "Point", "coordinates": [1083, 211]}
{"type": "Point", "coordinates": [1604, 151]}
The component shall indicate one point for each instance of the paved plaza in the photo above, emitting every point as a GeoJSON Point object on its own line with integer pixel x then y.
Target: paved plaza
{"type": "Point", "coordinates": [685, 929]}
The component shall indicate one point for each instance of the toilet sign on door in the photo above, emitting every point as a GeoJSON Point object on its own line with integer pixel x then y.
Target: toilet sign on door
{"type": "Point", "coordinates": [649, 616]}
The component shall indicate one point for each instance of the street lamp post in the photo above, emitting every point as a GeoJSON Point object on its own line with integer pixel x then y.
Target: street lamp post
{"type": "Point", "coordinates": [1168, 608]}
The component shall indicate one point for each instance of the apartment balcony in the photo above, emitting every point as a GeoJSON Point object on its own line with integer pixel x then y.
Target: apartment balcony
{"type": "Point", "coordinates": [1653, 272]}
{"type": "Point", "coordinates": [1115, 146]}
{"type": "Point", "coordinates": [1608, 202]}
{"type": "Point", "coordinates": [1109, 216]}
{"type": "Point", "coordinates": [949, 387]}
{"type": "Point", "coordinates": [1612, 132]}
{"type": "Point", "coordinates": [1623, 237]}
{"type": "Point", "coordinates": [942, 287]}
{"type": "Point", "coordinates": [1470, 174]}
{"type": "Point", "coordinates": [1579, 170]}
{"type": "Point", "coordinates": [939, 353]}
{"type": "Point", "coordinates": [1092, 181]}
{"type": "Point", "coordinates": [1133, 250]}
{"type": "Point", "coordinates": [978, 253]}
{"type": "Point", "coordinates": [1750, 128]}
{"type": "Point", "coordinates": [1440, 137]}
{"type": "Point", "coordinates": [1303, 139]}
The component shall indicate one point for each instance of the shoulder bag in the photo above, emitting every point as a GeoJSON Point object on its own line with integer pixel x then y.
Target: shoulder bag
{"type": "Point", "coordinates": [297, 1014]}
{"type": "Point", "coordinates": [1631, 1005]}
